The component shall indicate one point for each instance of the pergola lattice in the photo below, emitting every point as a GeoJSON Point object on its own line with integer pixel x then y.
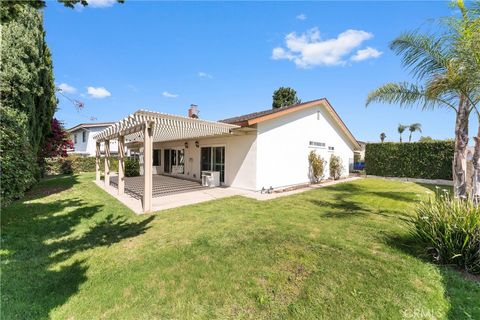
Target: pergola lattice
{"type": "Point", "coordinates": [148, 127]}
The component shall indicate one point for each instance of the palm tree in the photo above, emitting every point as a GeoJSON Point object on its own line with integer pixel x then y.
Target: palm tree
{"type": "Point", "coordinates": [382, 136]}
{"type": "Point", "coordinates": [412, 128]}
{"type": "Point", "coordinates": [401, 129]}
{"type": "Point", "coordinates": [443, 82]}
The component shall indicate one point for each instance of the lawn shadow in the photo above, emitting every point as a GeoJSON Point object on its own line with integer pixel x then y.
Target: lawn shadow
{"type": "Point", "coordinates": [461, 306]}
{"type": "Point", "coordinates": [343, 206]}
{"type": "Point", "coordinates": [50, 185]}
{"type": "Point", "coordinates": [38, 242]}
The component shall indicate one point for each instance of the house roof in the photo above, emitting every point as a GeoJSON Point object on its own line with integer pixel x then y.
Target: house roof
{"type": "Point", "coordinates": [260, 116]}
{"type": "Point", "coordinates": [90, 125]}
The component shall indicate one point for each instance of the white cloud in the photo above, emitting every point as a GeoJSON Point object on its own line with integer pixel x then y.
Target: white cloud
{"type": "Point", "coordinates": [308, 49]}
{"type": "Point", "coordinates": [98, 93]}
{"type": "Point", "coordinates": [205, 75]}
{"type": "Point", "coordinates": [365, 54]}
{"type": "Point", "coordinates": [169, 95]}
{"type": "Point", "coordinates": [301, 16]}
{"type": "Point", "coordinates": [101, 3]}
{"type": "Point", "coordinates": [66, 88]}
{"type": "Point", "coordinates": [132, 88]}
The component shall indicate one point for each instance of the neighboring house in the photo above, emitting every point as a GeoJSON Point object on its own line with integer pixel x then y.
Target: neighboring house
{"type": "Point", "coordinates": [361, 152]}
{"type": "Point", "coordinates": [83, 141]}
{"type": "Point", "coordinates": [254, 151]}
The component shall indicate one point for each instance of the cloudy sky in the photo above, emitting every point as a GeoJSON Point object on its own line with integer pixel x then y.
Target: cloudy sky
{"type": "Point", "coordinates": [229, 57]}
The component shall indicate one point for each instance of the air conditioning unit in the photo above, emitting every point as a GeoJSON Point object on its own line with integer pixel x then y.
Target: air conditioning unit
{"type": "Point", "coordinates": [210, 179]}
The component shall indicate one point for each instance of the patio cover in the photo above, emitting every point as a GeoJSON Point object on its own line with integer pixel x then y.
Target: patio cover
{"type": "Point", "coordinates": [148, 127]}
{"type": "Point", "coordinates": [166, 127]}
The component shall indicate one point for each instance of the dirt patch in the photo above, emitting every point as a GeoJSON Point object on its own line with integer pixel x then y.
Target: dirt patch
{"type": "Point", "coordinates": [44, 191]}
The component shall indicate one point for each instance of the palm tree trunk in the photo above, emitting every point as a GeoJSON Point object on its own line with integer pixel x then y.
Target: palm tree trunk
{"type": "Point", "coordinates": [476, 166]}
{"type": "Point", "coordinates": [410, 137]}
{"type": "Point", "coordinates": [400, 138]}
{"type": "Point", "coordinates": [459, 169]}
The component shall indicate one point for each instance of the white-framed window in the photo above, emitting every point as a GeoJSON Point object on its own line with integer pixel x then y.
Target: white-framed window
{"type": "Point", "coordinates": [84, 136]}
{"type": "Point", "coordinates": [316, 144]}
{"type": "Point", "coordinates": [331, 149]}
{"type": "Point", "coordinates": [75, 138]}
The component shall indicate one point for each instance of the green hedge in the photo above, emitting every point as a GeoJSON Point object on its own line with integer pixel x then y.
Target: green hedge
{"type": "Point", "coordinates": [76, 164]}
{"type": "Point", "coordinates": [426, 160]}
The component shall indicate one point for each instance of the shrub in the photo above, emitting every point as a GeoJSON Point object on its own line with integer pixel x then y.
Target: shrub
{"type": "Point", "coordinates": [317, 166]}
{"type": "Point", "coordinates": [427, 160]}
{"type": "Point", "coordinates": [336, 167]}
{"type": "Point", "coordinates": [132, 167]}
{"type": "Point", "coordinates": [18, 167]}
{"type": "Point", "coordinates": [450, 230]}
{"type": "Point", "coordinates": [76, 164]}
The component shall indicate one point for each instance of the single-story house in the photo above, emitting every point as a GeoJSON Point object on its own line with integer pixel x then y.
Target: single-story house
{"type": "Point", "coordinates": [261, 150]}
{"type": "Point", "coordinates": [83, 141]}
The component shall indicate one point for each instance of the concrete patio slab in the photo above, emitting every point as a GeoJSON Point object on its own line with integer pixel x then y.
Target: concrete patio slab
{"type": "Point", "coordinates": [170, 192]}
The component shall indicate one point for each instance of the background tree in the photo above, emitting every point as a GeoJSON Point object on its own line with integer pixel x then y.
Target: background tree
{"type": "Point", "coordinates": [401, 129]}
{"type": "Point", "coordinates": [11, 9]}
{"type": "Point", "coordinates": [443, 81]}
{"type": "Point", "coordinates": [382, 136]}
{"type": "Point", "coordinates": [27, 93]}
{"type": "Point", "coordinates": [412, 128]}
{"type": "Point", "coordinates": [426, 139]}
{"type": "Point", "coordinates": [56, 143]}
{"type": "Point", "coordinates": [284, 96]}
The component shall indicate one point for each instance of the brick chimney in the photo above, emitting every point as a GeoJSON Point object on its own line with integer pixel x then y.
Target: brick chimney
{"type": "Point", "coordinates": [193, 111]}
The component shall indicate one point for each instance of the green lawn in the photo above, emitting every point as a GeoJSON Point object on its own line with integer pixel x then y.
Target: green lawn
{"type": "Point", "coordinates": [70, 251]}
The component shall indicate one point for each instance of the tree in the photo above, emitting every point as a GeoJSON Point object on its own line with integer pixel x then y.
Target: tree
{"type": "Point", "coordinates": [283, 97]}
{"type": "Point", "coordinates": [336, 167]}
{"type": "Point", "coordinates": [57, 142]}
{"type": "Point", "coordinates": [401, 129]}
{"type": "Point", "coordinates": [426, 139]}
{"type": "Point", "coordinates": [443, 81]}
{"type": "Point", "coordinates": [412, 128]}
{"type": "Point", "coordinates": [27, 91]}
{"type": "Point", "coordinates": [382, 136]}
{"type": "Point", "coordinates": [12, 9]}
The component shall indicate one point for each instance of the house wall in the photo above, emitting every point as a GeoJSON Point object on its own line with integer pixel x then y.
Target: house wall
{"type": "Point", "coordinates": [240, 158]}
{"type": "Point", "coordinates": [88, 147]}
{"type": "Point", "coordinates": [283, 147]}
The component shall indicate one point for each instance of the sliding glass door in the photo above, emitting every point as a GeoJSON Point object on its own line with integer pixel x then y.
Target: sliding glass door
{"type": "Point", "coordinates": [174, 161]}
{"type": "Point", "coordinates": [213, 159]}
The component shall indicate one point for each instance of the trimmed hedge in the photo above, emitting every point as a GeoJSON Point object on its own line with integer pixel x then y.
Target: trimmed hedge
{"type": "Point", "coordinates": [425, 160]}
{"type": "Point", "coordinates": [76, 164]}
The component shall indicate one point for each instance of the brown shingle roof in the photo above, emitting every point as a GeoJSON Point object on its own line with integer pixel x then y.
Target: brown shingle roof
{"type": "Point", "coordinates": [240, 120]}
{"type": "Point", "coordinates": [256, 117]}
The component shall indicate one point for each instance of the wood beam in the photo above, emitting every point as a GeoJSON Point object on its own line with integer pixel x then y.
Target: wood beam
{"type": "Point", "coordinates": [107, 162]}
{"type": "Point", "coordinates": [97, 162]}
{"type": "Point", "coordinates": [121, 164]}
{"type": "Point", "coordinates": [147, 166]}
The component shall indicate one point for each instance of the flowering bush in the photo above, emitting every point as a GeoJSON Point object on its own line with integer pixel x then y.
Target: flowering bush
{"type": "Point", "coordinates": [450, 230]}
{"type": "Point", "coordinates": [317, 166]}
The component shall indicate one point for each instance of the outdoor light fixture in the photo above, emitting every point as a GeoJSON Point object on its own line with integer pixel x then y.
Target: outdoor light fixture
{"type": "Point", "coordinates": [197, 144]}
{"type": "Point", "coordinates": [186, 145]}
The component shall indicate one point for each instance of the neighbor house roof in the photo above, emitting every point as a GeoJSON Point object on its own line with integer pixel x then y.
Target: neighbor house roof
{"type": "Point", "coordinates": [90, 125]}
{"type": "Point", "coordinates": [260, 116]}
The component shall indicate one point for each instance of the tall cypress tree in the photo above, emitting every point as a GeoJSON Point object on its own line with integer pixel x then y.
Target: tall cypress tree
{"type": "Point", "coordinates": [27, 97]}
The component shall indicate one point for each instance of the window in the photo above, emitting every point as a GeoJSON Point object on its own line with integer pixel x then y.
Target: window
{"type": "Point", "coordinates": [157, 157]}
{"type": "Point", "coordinates": [75, 138]}
{"type": "Point", "coordinates": [317, 144]}
{"type": "Point", "coordinates": [331, 148]}
{"type": "Point", "coordinates": [84, 136]}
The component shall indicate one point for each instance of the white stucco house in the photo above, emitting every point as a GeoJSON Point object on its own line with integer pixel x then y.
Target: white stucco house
{"type": "Point", "coordinates": [83, 141]}
{"type": "Point", "coordinates": [260, 150]}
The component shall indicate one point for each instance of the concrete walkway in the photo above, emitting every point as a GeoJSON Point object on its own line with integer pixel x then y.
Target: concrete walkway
{"type": "Point", "coordinates": [171, 192]}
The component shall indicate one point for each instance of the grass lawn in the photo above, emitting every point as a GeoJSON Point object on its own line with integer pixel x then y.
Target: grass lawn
{"type": "Point", "coordinates": [70, 251]}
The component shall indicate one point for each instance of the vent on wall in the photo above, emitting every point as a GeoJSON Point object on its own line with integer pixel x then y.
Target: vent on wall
{"type": "Point", "coordinates": [316, 144]}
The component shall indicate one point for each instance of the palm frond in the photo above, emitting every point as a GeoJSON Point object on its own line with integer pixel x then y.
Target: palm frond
{"type": "Point", "coordinates": [423, 54]}
{"type": "Point", "coordinates": [406, 95]}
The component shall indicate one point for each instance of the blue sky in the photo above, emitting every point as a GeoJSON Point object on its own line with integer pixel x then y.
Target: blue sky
{"type": "Point", "coordinates": [229, 57]}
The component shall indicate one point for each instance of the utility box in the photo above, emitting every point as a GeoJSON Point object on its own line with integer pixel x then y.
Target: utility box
{"type": "Point", "coordinates": [211, 179]}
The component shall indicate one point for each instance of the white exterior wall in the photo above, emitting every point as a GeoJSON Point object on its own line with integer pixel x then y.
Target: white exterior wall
{"type": "Point", "coordinates": [87, 148]}
{"type": "Point", "coordinates": [240, 158]}
{"type": "Point", "coordinates": [283, 147]}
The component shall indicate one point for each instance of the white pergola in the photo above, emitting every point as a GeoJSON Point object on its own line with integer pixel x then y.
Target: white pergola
{"type": "Point", "coordinates": [148, 127]}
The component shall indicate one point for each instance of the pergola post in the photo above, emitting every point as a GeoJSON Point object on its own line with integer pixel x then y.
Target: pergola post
{"type": "Point", "coordinates": [107, 162]}
{"type": "Point", "coordinates": [97, 162]}
{"type": "Point", "coordinates": [147, 167]}
{"type": "Point", "coordinates": [121, 164]}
